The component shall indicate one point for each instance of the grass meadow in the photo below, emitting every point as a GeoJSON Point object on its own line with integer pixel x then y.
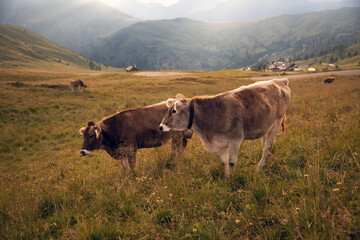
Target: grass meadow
{"type": "Point", "coordinates": [309, 189]}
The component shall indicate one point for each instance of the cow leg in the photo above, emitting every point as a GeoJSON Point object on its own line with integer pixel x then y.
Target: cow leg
{"type": "Point", "coordinates": [233, 155]}
{"type": "Point", "coordinates": [132, 159]}
{"type": "Point", "coordinates": [177, 145]}
{"type": "Point", "coordinates": [224, 157]}
{"type": "Point", "coordinates": [124, 162]}
{"type": "Point", "coordinates": [267, 142]}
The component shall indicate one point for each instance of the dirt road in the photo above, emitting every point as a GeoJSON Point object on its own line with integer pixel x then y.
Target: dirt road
{"type": "Point", "coordinates": [158, 74]}
{"type": "Point", "coordinates": [309, 75]}
{"type": "Point", "coordinates": [306, 75]}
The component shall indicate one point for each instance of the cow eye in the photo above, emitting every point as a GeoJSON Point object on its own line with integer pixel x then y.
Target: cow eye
{"type": "Point", "coordinates": [91, 136]}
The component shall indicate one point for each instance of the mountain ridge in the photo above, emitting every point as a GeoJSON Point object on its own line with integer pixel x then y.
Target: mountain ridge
{"type": "Point", "coordinates": [196, 45]}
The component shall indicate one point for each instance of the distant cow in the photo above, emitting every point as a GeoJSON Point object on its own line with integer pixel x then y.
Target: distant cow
{"type": "Point", "coordinates": [329, 80]}
{"type": "Point", "coordinates": [225, 120]}
{"type": "Point", "coordinates": [121, 134]}
{"type": "Point", "coordinates": [77, 84]}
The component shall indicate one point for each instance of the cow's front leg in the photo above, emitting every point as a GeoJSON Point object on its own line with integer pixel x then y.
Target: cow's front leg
{"type": "Point", "coordinates": [224, 157]}
{"type": "Point", "coordinates": [233, 155]}
{"type": "Point", "coordinates": [124, 162]}
{"type": "Point", "coordinates": [177, 147]}
{"type": "Point", "coordinates": [132, 158]}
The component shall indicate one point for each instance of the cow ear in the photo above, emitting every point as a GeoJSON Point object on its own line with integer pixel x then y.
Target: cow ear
{"type": "Point", "coordinates": [82, 130]}
{"type": "Point", "coordinates": [91, 124]}
{"type": "Point", "coordinates": [179, 96]}
{"type": "Point", "coordinates": [170, 102]}
{"type": "Point", "coordinates": [97, 131]}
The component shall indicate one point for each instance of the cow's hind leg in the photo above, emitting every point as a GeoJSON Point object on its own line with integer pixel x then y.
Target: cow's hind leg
{"type": "Point", "coordinates": [267, 143]}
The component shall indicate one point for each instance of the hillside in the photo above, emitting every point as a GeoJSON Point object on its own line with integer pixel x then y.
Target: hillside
{"type": "Point", "coordinates": [22, 48]}
{"type": "Point", "coordinates": [73, 24]}
{"type": "Point", "coordinates": [188, 44]}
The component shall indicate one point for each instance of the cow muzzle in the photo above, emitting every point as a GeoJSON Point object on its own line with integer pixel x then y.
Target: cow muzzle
{"type": "Point", "coordinates": [164, 128]}
{"type": "Point", "coordinates": [84, 152]}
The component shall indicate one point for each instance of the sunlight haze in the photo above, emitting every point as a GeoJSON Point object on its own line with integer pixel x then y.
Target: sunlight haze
{"type": "Point", "coordinates": [222, 10]}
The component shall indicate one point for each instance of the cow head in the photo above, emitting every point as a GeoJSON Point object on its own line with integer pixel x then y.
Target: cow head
{"type": "Point", "coordinates": [92, 138]}
{"type": "Point", "coordinates": [178, 114]}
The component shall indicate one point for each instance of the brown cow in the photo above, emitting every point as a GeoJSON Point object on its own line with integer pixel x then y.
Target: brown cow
{"type": "Point", "coordinates": [77, 84]}
{"type": "Point", "coordinates": [121, 134]}
{"type": "Point", "coordinates": [225, 120]}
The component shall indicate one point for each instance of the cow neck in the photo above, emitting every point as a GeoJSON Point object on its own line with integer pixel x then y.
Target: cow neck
{"type": "Point", "coordinates": [191, 118]}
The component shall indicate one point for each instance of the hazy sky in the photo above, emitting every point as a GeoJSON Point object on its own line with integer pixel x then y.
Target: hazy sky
{"type": "Point", "coordinates": [221, 10]}
{"type": "Point", "coordinates": [167, 3]}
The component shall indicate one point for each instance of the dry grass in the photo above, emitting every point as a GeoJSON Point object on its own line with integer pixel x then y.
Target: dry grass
{"type": "Point", "coordinates": [310, 188]}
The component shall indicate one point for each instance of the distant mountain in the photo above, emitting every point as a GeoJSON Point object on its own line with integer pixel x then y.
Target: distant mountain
{"type": "Point", "coordinates": [22, 48]}
{"type": "Point", "coordinates": [243, 10]}
{"type": "Point", "coordinates": [70, 23]}
{"type": "Point", "coordinates": [188, 44]}
{"type": "Point", "coordinates": [227, 10]}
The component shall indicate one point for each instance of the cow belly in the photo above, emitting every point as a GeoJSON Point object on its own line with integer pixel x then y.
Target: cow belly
{"type": "Point", "coordinates": [257, 129]}
{"type": "Point", "coordinates": [256, 134]}
{"type": "Point", "coordinates": [153, 139]}
{"type": "Point", "coordinates": [214, 144]}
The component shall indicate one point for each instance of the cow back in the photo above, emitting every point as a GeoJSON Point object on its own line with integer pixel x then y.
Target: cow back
{"type": "Point", "coordinates": [137, 127]}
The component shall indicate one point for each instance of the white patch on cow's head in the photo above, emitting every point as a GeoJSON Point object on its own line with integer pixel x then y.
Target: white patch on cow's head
{"type": "Point", "coordinates": [170, 102]}
{"type": "Point", "coordinates": [82, 130]}
{"type": "Point", "coordinates": [97, 131]}
{"type": "Point", "coordinates": [164, 128]}
{"type": "Point", "coordinates": [175, 104]}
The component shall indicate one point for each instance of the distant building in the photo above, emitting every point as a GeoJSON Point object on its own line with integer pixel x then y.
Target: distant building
{"type": "Point", "coordinates": [297, 69]}
{"type": "Point", "coordinates": [132, 69]}
{"type": "Point", "coordinates": [281, 66]}
{"type": "Point", "coordinates": [311, 70]}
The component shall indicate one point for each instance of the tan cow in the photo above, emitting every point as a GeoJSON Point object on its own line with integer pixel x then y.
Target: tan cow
{"type": "Point", "coordinates": [225, 120]}
{"type": "Point", "coordinates": [121, 134]}
{"type": "Point", "coordinates": [77, 84]}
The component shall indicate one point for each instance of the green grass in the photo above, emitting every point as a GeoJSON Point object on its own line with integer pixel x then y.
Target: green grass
{"type": "Point", "coordinates": [309, 189]}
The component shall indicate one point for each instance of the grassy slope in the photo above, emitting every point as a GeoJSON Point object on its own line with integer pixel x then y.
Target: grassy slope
{"type": "Point", "coordinates": [25, 49]}
{"type": "Point", "coordinates": [309, 189]}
